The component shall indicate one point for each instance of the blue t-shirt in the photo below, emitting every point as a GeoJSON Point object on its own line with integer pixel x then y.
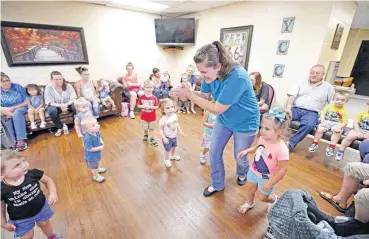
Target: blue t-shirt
{"type": "Point", "coordinates": [35, 101]}
{"type": "Point", "coordinates": [236, 90]}
{"type": "Point", "coordinates": [91, 141]}
{"type": "Point", "coordinates": [15, 95]}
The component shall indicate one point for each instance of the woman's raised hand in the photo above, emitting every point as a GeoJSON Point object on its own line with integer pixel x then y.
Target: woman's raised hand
{"type": "Point", "coordinates": [184, 91]}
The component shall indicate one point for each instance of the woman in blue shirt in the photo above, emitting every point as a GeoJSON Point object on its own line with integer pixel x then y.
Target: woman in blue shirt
{"type": "Point", "coordinates": [14, 107]}
{"type": "Point", "coordinates": [236, 107]}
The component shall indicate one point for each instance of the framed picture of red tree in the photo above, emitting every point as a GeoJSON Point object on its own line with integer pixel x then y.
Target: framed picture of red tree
{"type": "Point", "coordinates": [26, 44]}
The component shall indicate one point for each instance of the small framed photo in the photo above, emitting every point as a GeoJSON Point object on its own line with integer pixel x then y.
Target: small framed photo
{"type": "Point", "coordinates": [287, 24]}
{"type": "Point", "coordinates": [282, 48]}
{"type": "Point", "coordinates": [278, 70]}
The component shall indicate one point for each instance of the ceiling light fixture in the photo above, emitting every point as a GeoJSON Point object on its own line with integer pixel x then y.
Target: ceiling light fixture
{"type": "Point", "coordinates": [142, 4]}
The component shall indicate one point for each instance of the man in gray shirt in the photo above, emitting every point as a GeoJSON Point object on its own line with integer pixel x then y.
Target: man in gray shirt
{"type": "Point", "coordinates": [305, 103]}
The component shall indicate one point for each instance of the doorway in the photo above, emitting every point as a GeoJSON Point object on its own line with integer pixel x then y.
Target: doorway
{"type": "Point", "coordinates": [360, 71]}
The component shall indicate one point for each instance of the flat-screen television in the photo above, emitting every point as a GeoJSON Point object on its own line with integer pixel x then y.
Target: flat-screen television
{"type": "Point", "coordinates": [175, 31]}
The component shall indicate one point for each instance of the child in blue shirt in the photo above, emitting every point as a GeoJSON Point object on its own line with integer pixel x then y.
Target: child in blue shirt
{"type": "Point", "coordinates": [93, 145]}
{"type": "Point", "coordinates": [36, 105]}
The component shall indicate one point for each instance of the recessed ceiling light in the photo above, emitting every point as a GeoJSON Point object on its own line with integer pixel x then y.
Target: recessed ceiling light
{"type": "Point", "coordinates": [142, 4]}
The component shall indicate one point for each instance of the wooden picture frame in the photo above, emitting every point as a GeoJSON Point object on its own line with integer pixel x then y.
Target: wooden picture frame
{"type": "Point", "coordinates": [337, 37]}
{"type": "Point", "coordinates": [237, 40]}
{"type": "Point", "coordinates": [28, 44]}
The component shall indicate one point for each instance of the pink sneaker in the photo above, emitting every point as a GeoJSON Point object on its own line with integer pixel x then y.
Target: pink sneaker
{"type": "Point", "coordinates": [54, 236]}
{"type": "Point", "coordinates": [21, 145]}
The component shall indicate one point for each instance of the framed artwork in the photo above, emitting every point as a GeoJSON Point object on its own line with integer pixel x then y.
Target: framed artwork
{"type": "Point", "coordinates": [282, 48]}
{"type": "Point", "coordinates": [237, 40]}
{"type": "Point", "coordinates": [287, 24]}
{"type": "Point", "coordinates": [26, 44]}
{"type": "Point", "coordinates": [337, 37]}
{"type": "Point", "coordinates": [278, 70]}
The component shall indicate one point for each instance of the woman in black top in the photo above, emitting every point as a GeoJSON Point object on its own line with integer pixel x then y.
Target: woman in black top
{"type": "Point", "coordinates": [261, 91]}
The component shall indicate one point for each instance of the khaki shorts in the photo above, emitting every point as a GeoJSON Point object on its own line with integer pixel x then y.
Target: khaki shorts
{"type": "Point", "coordinates": [359, 171]}
{"type": "Point", "coordinates": [148, 125]}
{"type": "Point", "coordinates": [329, 125]}
{"type": "Point", "coordinates": [362, 197]}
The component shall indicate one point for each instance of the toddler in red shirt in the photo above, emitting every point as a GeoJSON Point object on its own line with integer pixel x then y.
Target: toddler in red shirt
{"type": "Point", "coordinates": [148, 103]}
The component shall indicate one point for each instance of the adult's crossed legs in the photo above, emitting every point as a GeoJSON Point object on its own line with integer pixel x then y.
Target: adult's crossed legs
{"type": "Point", "coordinates": [308, 120]}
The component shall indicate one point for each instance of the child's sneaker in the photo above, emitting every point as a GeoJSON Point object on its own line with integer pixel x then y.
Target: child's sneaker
{"type": "Point", "coordinates": [329, 151]}
{"type": "Point", "coordinates": [33, 126]}
{"type": "Point", "coordinates": [101, 170]}
{"type": "Point", "coordinates": [313, 147]}
{"type": "Point", "coordinates": [175, 157]}
{"type": "Point", "coordinates": [132, 114]}
{"type": "Point", "coordinates": [43, 125]}
{"type": "Point", "coordinates": [202, 159]}
{"type": "Point", "coordinates": [339, 155]}
{"type": "Point", "coordinates": [245, 207]}
{"type": "Point", "coordinates": [270, 205]}
{"type": "Point", "coordinates": [167, 163]}
{"type": "Point", "coordinates": [98, 178]}
{"type": "Point", "coordinates": [54, 236]}
{"type": "Point", "coordinates": [153, 142]}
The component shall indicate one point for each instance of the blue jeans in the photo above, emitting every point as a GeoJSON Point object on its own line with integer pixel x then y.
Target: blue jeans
{"type": "Point", "coordinates": [364, 151]}
{"type": "Point", "coordinates": [219, 140]}
{"type": "Point", "coordinates": [308, 120]}
{"type": "Point", "coordinates": [157, 93]}
{"type": "Point", "coordinates": [164, 93]}
{"type": "Point", "coordinates": [17, 124]}
{"type": "Point", "coordinates": [95, 107]}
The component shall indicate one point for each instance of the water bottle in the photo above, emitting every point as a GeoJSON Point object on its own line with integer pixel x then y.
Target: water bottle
{"type": "Point", "coordinates": [65, 129]}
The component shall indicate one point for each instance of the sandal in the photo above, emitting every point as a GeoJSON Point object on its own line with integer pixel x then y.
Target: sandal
{"type": "Point", "coordinates": [58, 132]}
{"type": "Point", "coordinates": [245, 207]}
{"type": "Point", "coordinates": [153, 142]}
{"type": "Point", "coordinates": [145, 138]}
{"type": "Point", "coordinates": [329, 198]}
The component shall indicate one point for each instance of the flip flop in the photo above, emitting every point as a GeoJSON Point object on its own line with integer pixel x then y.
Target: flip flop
{"type": "Point", "coordinates": [329, 198]}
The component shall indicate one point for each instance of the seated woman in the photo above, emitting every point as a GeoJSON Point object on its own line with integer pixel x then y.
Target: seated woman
{"type": "Point", "coordinates": [59, 97]}
{"type": "Point", "coordinates": [354, 174]}
{"type": "Point", "coordinates": [88, 89]}
{"type": "Point", "coordinates": [14, 107]}
{"type": "Point", "coordinates": [261, 91]}
{"type": "Point", "coordinates": [132, 88]}
{"type": "Point", "coordinates": [155, 78]}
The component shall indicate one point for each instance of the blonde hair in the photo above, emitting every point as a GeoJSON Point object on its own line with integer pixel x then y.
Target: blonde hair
{"type": "Point", "coordinates": [214, 54]}
{"type": "Point", "coordinates": [164, 102]}
{"type": "Point", "coordinates": [184, 75]}
{"type": "Point", "coordinates": [341, 93]}
{"type": "Point", "coordinates": [79, 102]}
{"type": "Point", "coordinates": [86, 121]}
{"type": "Point", "coordinates": [99, 83]}
{"type": "Point", "coordinates": [278, 124]}
{"type": "Point", "coordinates": [6, 155]}
{"type": "Point", "coordinates": [190, 67]}
{"type": "Point", "coordinates": [148, 82]}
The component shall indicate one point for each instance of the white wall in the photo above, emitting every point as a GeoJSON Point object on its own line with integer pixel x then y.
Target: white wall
{"type": "Point", "coordinates": [355, 37]}
{"type": "Point", "coordinates": [109, 38]}
{"type": "Point", "coordinates": [306, 39]}
{"type": "Point", "coordinates": [342, 13]}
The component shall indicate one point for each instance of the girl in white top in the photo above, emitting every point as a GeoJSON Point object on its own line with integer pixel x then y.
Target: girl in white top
{"type": "Point", "coordinates": [169, 128]}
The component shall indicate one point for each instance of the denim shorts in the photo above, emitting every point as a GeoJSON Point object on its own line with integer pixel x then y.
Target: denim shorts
{"type": "Point", "coordinates": [23, 226]}
{"type": "Point", "coordinates": [92, 164]}
{"type": "Point", "coordinates": [171, 144]}
{"type": "Point", "coordinates": [253, 178]}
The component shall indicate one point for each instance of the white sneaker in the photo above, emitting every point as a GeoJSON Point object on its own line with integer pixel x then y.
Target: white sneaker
{"type": "Point", "coordinates": [33, 126]}
{"type": "Point", "coordinates": [43, 125]}
{"type": "Point", "coordinates": [98, 178]}
{"type": "Point", "coordinates": [202, 159]}
{"type": "Point", "coordinates": [132, 115]}
{"type": "Point", "coordinates": [167, 163]}
{"type": "Point", "coordinates": [245, 207]}
{"type": "Point", "coordinates": [101, 170]}
{"type": "Point", "coordinates": [270, 205]}
{"type": "Point", "coordinates": [175, 157]}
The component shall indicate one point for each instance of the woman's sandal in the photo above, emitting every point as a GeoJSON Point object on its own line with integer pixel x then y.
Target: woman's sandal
{"type": "Point", "coordinates": [58, 132]}
{"type": "Point", "coordinates": [329, 198]}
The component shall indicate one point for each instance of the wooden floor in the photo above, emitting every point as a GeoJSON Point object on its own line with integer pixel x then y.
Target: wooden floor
{"type": "Point", "coordinates": [143, 199]}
